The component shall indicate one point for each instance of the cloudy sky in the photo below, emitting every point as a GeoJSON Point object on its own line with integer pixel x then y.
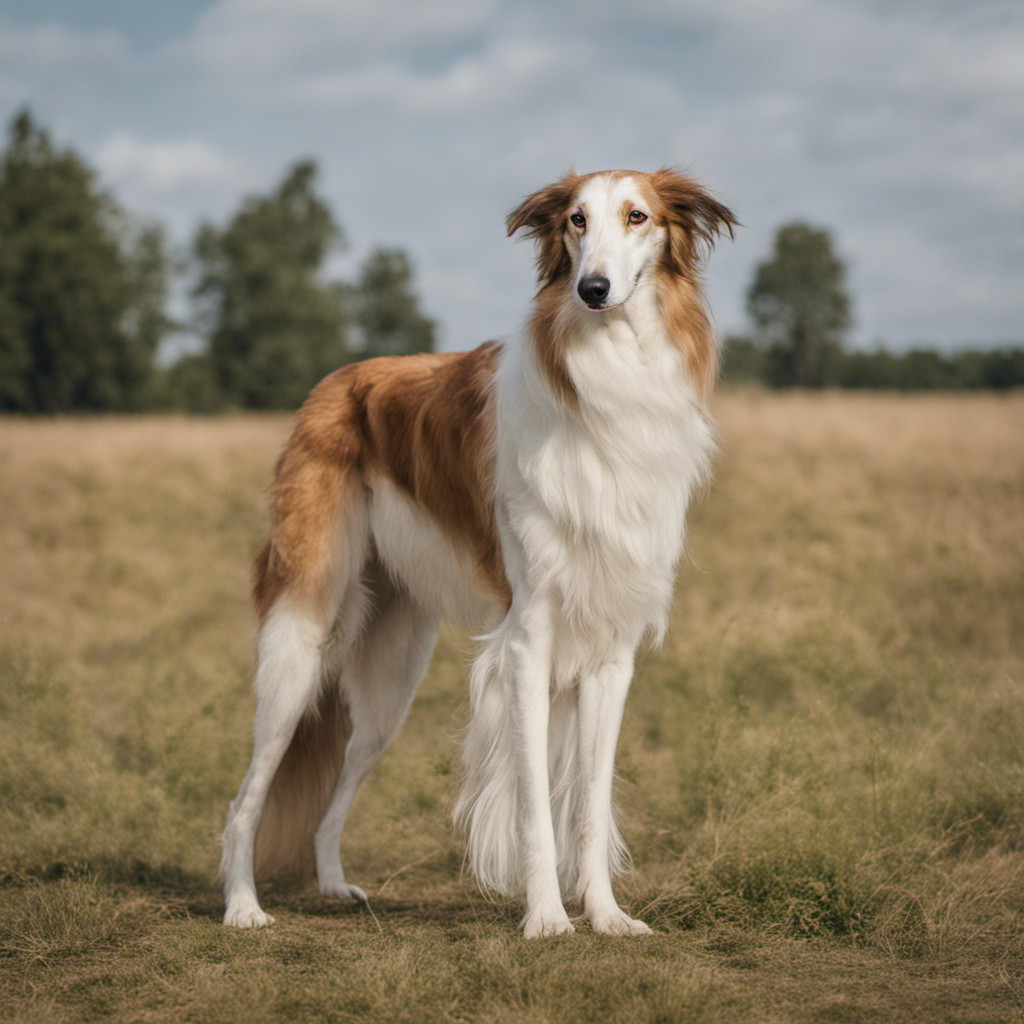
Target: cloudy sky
{"type": "Point", "coordinates": [898, 124]}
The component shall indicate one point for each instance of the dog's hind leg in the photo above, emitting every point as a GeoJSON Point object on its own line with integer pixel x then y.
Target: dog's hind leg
{"type": "Point", "coordinates": [287, 683]}
{"type": "Point", "coordinates": [314, 557]}
{"type": "Point", "coordinates": [377, 681]}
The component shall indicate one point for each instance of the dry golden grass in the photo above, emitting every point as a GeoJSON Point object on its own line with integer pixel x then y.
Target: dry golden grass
{"type": "Point", "coordinates": [822, 771]}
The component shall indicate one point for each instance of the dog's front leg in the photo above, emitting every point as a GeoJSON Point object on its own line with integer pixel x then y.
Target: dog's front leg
{"type": "Point", "coordinates": [531, 698]}
{"type": "Point", "coordinates": [601, 698]}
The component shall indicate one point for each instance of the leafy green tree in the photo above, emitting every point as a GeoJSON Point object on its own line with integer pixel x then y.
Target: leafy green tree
{"type": "Point", "coordinates": [385, 308]}
{"type": "Point", "coordinates": [189, 385]}
{"type": "Point", "coordinates": [81, 291]}
{"type": "Point", "coordinates": [800, 308]}
{"type": "Point", "coordinates": [1000, 368]}
{"type": "Point", "coordinates": [877, 369]}
{"type": "Point", "coordinates": [275, 327]}
{"type": "Point", "coordinates": [928, 370]}
{"type": "Point", "coordinates": [742, 361]}
{"type": "Point", "coordinates": [15, 357]}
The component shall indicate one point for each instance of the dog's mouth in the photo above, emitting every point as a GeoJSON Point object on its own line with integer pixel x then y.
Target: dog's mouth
{"type": "Point", "coordinates": [604, 306]}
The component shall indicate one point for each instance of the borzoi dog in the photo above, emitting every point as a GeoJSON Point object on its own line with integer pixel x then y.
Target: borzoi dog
{"type": "Point", "coordinates": [535, 490]}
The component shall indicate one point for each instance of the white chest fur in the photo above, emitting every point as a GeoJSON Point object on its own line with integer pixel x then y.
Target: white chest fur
{"type": "Point", "coordinates": [595, 497]}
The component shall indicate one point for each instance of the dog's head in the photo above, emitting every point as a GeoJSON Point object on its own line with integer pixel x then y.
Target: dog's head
{"type": "Point", "coordinates": [605, 232]}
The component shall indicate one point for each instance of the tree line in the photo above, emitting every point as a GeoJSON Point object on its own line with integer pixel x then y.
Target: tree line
{"type": "Point", "coordinates": [84, 293]}
{"type": "Point", "coordinates": [84, 298]}
{"type": "Point", "coordinates": [800, 312]}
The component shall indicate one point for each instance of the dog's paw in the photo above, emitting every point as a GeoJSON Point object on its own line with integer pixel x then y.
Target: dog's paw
{"type": "Point", "coordinates": [343, 891]}
{"type": "Point", "coordinates": [617, 922]}
{"type": "Point", "coordinates": [246, 913]}
{"type": "Point", "coordinates": [539, 925]}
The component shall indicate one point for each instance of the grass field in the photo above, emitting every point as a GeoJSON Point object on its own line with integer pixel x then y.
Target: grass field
{"type": "Point", "coordinates": [821, 773]}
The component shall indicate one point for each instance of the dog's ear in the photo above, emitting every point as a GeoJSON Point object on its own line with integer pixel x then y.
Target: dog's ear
{"type": "Point", "coordinates": [695, 218]}
{"type": "Point", "coordinates": [544, 214]}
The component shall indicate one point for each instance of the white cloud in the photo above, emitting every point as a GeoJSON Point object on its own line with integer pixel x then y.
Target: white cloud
{"type": "Point", "coordinates": [52, 47]}
{"type": "Point", "coordinates": [267, 36]}
{"type": "Point", "coordinates": [505, 73]}
{"type": "Point", "coordinates": [162, 166]}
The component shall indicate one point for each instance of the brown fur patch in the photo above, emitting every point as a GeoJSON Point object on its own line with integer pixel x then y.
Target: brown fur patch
{"type": "Point", "coordinates": [693, 216]}
{"type": "Point", "coordinates": [424, 421]}
{"type": "Point", "coordinates": [544, 214]}
{"type": "Point", "coordinates": [548, 333]}
{"type": "Point", "coordinates": [626, 211]}
{"type": "Point", "coordinates": [693, 219]}
{"type": "Point", "coordinates": [689, 327]}
{"type": "Point", "coordinates": [299, 555]}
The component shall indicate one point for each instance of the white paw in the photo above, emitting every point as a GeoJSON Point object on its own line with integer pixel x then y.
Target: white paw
{"type": "Point", "coordinates": [245, 912]}
{"type": "Point", "coordinates": [617, 922]}
{"type": "Point", "coordinates": [540, 925]}
{"type": "Point", "coordinates": [343, 891]}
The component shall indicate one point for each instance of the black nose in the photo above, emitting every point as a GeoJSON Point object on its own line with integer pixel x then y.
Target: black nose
{"type": "Point", "coordinates": [594, 289]}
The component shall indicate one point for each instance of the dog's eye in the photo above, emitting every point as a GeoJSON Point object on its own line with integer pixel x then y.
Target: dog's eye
{"type": "Point", "coordinates": [578, 219]}
{"type": "Point", "coordinates": [637, 217]}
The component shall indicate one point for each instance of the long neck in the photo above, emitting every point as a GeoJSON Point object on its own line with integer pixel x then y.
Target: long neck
{"type": "Point", "coordinates": [585, 356]}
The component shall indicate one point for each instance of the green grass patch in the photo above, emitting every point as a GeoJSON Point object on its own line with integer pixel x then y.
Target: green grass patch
{"type": "Point", "coordinates": [821, 774]}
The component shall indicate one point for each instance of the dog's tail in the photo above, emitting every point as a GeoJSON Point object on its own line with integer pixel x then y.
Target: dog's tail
{"type": "Point", "coordinates": [302, 789]}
